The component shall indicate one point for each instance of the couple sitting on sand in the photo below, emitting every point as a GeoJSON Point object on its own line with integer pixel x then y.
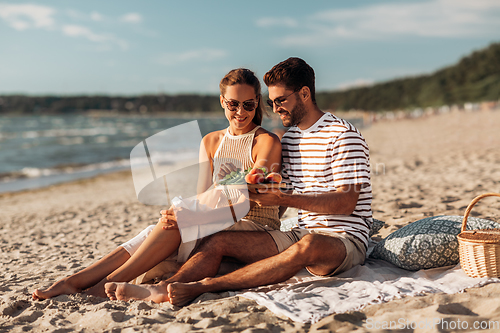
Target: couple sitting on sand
{"type": "Point", "coordinates": [326, 162]}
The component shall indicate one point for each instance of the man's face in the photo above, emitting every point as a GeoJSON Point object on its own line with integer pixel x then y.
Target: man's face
{"type": "Point", "coordinates": [292, 110]}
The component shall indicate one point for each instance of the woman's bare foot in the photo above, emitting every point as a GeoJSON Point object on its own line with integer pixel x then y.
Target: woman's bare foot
{"type": "Point", "coordinates": [61, 287]}
{"type": "Point", "coordinates": [125, 292]}
{"type": "Point", "coordinates": [181, 294]}
{"type": "Point", "coordinates": [98, 289]}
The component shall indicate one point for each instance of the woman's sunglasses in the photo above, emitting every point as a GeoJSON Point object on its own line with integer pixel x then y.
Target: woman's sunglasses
{"type": "Point", "coordinates": [233, 105]}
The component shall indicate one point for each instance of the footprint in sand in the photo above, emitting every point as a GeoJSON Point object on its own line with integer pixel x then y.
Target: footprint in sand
{"type": "Point", "coordinates": [412, 204]}
{"type": "Point", "coordinates": [455, 309]}
{"type": "Point", "coordinates": [15, 308]}
{"type": "Point", "coordinates": [449, 199]}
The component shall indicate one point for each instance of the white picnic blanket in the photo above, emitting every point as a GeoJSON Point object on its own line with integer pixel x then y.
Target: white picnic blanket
{"type": "Point", "coordinates": [307, 299]}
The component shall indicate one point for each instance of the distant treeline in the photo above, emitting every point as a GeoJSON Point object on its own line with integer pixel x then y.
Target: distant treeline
{"type": "Point", "coordinates": [21, 104]}
{"type": "Point", "coordinates": [475, 78]}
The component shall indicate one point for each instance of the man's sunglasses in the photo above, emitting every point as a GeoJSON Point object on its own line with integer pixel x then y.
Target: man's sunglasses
{"type": "Point", "coordinates": [278, 101]}
{"type": "Point", "coordinates": [248, 106]}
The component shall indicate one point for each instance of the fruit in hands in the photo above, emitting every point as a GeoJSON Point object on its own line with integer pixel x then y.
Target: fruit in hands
{"type": "Point", "coordinates": [249, 178]}
{"type": "Point", "coordinates": [273, 177]}
{"type": "Point", "coordinates": [255, 171]}
{"type": "Point", "coordinates": [259, 178]}
{"type": "Point", "coordinates": [255, 178]}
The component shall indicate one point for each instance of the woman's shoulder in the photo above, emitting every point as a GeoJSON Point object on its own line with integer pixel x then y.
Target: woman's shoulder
{"type": "Point", "coordinates": [215, 135]}
{"type": "Point", "coordinates": [212, 139]}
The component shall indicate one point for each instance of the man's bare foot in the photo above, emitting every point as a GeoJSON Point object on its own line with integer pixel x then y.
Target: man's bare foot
{"type": "Point", "coordinates": [61, 287]}
{"type": "Point", "coordinates": [125, 292]}
{"type": "Point", "coordinates": [181, 294]}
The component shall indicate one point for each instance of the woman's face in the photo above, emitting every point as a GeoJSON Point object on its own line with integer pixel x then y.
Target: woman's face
{"type": "Point", "coordinates": [239, 103]}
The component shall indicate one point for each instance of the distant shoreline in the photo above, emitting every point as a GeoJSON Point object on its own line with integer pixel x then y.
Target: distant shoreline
{"type": "Point", "coordinates": [110, 113]}
{"type": "Point", "coordinates": [174, 114]}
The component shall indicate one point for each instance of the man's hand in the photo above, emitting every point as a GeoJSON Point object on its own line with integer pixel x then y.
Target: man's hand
{"type": "Point", "coordinates": [340, 202]}
{"type": "Point", "coordinates": [269, 197]}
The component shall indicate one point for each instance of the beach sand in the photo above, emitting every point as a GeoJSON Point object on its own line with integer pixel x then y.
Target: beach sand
{"type": "Point", "coordinates": [420, 167]}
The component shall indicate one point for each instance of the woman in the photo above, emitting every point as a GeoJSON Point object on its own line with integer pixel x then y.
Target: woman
{"type": "Point", "coordinates": [244, 141]}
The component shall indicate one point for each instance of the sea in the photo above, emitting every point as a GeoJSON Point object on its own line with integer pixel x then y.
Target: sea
{"type": "Point", "coordinates": [42, 150]}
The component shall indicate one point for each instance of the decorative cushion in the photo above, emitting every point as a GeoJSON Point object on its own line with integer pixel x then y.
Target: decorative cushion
{"type": "Point", "coordinates": [427, 243]}
{"type": "Point", "coordinates": [376, 226]}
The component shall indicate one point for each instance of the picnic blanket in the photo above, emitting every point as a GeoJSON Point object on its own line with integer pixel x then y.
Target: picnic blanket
{"type": "Point", "coordinates": [308, 299]}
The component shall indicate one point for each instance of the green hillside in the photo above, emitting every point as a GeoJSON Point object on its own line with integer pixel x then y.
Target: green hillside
{"type": "Point", "coordinates": [474, 78]}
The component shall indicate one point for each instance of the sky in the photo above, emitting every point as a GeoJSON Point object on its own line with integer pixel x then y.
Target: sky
{"type": "Point", "coordinates": [69, 47]}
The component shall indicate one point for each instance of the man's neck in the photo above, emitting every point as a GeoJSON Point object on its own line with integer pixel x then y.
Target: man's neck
{"type": "Point", "coordinates": [312, 116]}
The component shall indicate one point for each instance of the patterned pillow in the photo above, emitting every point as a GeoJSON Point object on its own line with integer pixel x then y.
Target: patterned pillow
{"type": "Point", "coordinates": [427, 243]}
{"type": "Point", "coordinates": [376, 226]}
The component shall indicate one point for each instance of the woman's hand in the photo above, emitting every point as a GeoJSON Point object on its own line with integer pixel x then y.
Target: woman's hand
{"type": "Point", "coordinates": [168, 219]}
{"type": "Point", "coordinates": [226, 169]}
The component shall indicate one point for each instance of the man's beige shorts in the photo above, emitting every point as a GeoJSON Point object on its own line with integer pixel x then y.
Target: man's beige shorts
{"type": "Point", "coordinates": [355, 250]}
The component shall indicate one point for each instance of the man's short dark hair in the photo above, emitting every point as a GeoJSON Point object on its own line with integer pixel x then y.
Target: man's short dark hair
{"type": "Point", "coordinates": [294, 73]}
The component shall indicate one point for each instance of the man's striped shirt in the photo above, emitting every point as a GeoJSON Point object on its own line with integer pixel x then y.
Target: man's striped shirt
{"type": "Point", "coordinates": [329, 154]}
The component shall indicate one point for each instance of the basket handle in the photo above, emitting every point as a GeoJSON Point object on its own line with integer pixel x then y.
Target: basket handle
{"type": "Point", "coordinates": [473, 202]}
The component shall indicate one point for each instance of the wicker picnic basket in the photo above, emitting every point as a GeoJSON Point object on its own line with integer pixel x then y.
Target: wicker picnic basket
{"type": "Point", "coordinates": [479, 249]}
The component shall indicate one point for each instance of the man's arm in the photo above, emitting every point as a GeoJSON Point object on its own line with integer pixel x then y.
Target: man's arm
{"type": "Point", "coordinates": [340, 202]}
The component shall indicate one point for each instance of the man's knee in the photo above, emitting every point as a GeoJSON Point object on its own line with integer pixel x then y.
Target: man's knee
{"type": "Point", "coordinates": [303, 250]}
{"type": "Point", "coordinates": [317, 249]}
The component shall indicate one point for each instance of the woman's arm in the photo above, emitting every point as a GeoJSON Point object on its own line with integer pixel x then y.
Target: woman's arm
{"type": "Point", "coordinates": [207, 195]}
{"type": "Point", "coordinates": [266, 151]}
{"type": "Point", "coordinates": [205, 166]}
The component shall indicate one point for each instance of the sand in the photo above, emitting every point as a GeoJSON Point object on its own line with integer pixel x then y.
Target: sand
{"type": "Point", "coordinates": [420, 167]}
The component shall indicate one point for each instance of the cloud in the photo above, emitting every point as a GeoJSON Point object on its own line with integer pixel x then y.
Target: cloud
{"type": "Point", "coordinates": [81, 31]}
{"type": "Point", "coordinates": [131, 18]}
{"type": "Point", "coordinates": [27, 16]}
{"type": "Point", "coordinates": [433, 18]}
{"type": "Point", "coordinates": [95, 16]}
{"type": "Point", "coordinates": [194, 55]}
{"type": "Point", "coordinates": [286, 22]}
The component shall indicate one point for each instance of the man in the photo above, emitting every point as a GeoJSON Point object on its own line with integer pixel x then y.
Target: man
{"type": "Point", "coordinates": [326, 162]}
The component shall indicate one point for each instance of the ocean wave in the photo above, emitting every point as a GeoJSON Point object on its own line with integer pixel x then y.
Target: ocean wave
{"type": "Point", "coordinates": [54, 133]}
{"type": "Point", "coordinates": [39, 151]}
{"type": "Point", "coordinates": [31, 172]}
{"type": "Point", "coordinates": [165, 158]}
